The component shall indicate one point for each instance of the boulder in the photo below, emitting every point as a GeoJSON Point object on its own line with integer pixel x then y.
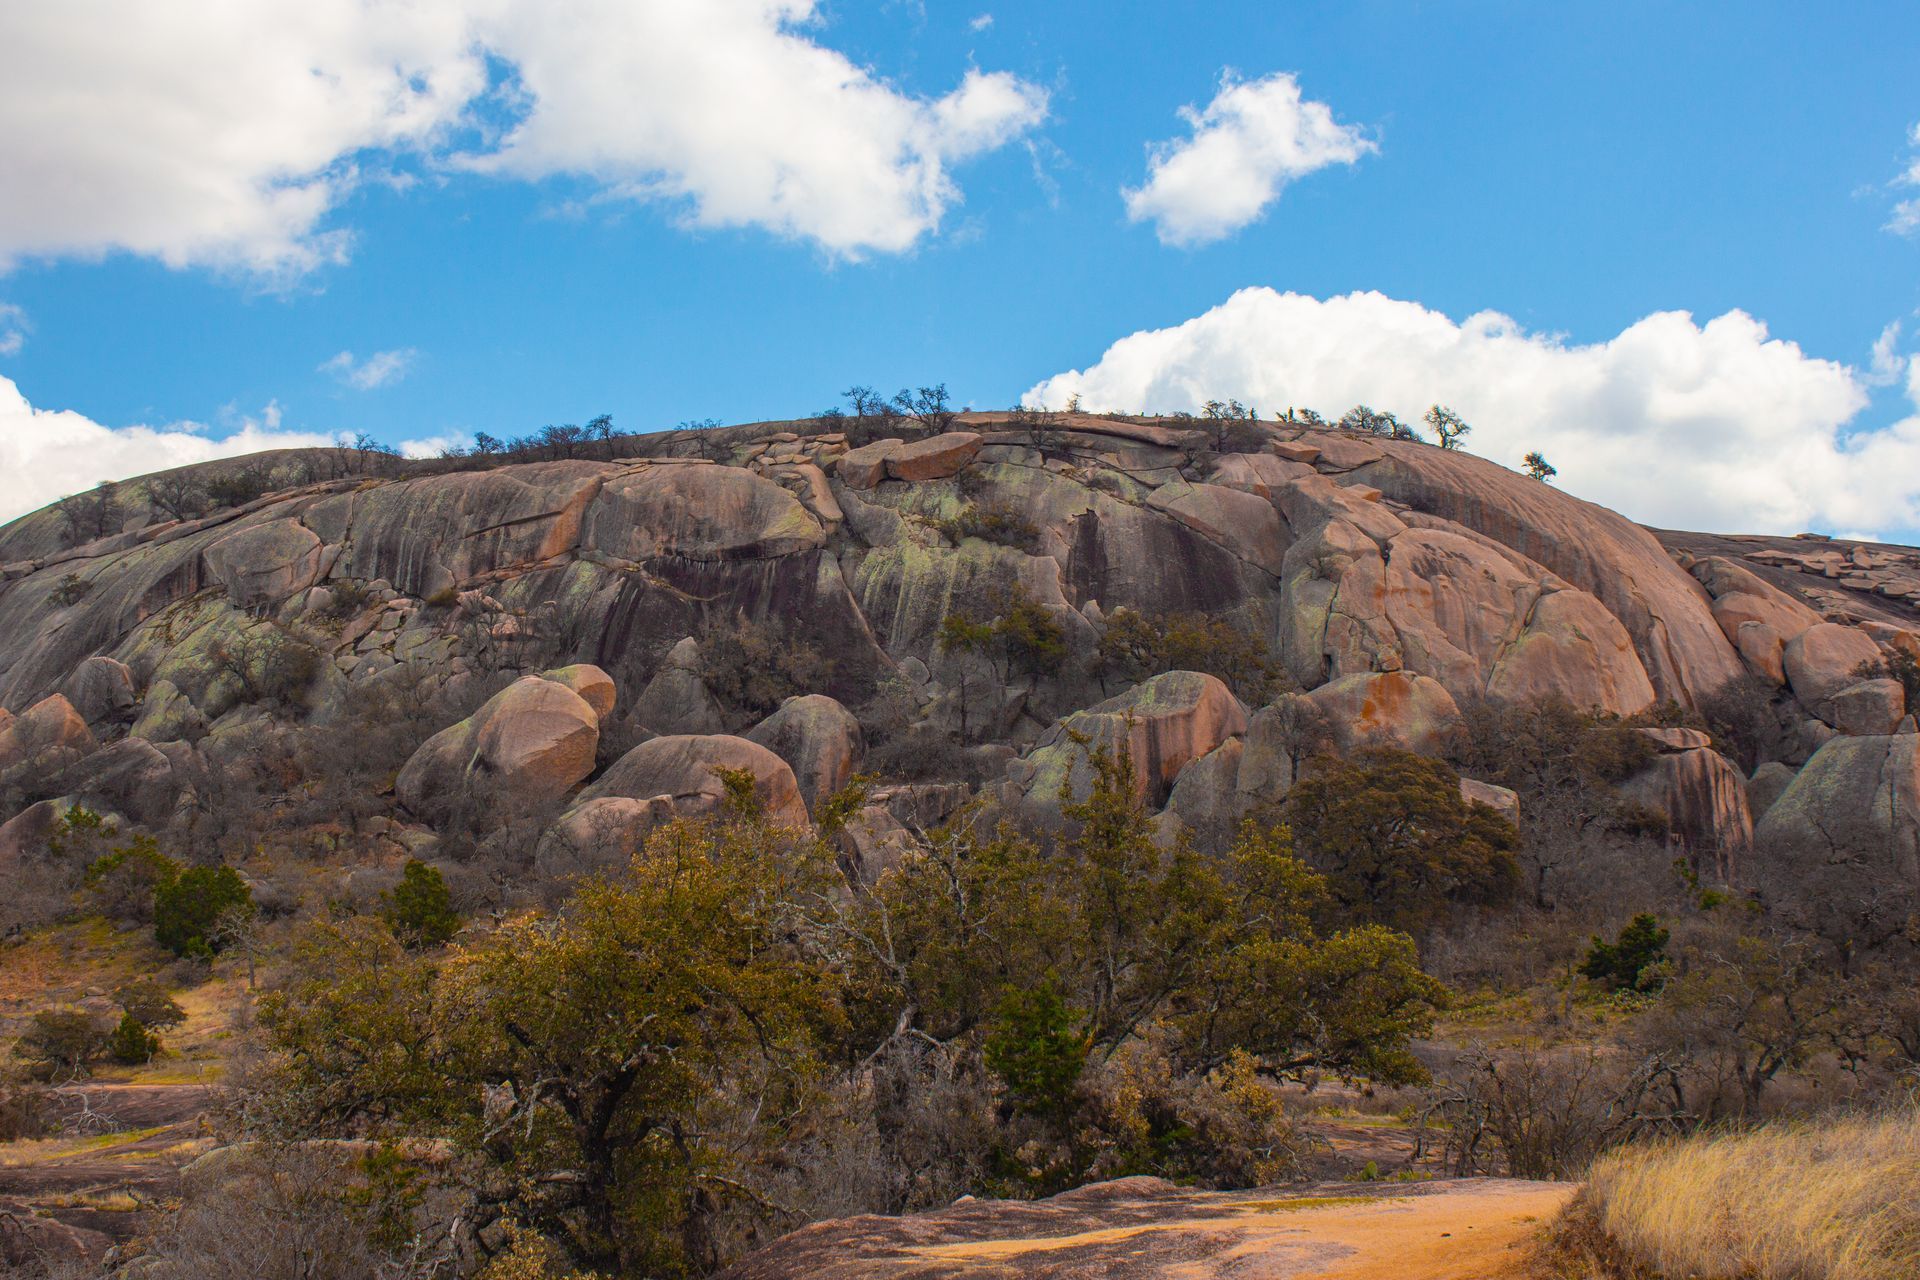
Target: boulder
{"type": "Point", "coordinates": [1163, 723]}
{"type": "Point", "coordinates": [266, 563]}
{"type": "Point", "coordinates": [47, 735]}
{"type": "Point", "coordinates": [935, 458]}
{"type": "Point", "coordinates": [677, 700]}
{"type": "Point", "coordinates": [1822, 660]}
{"type": "Point", "coordinates": [818, 738]}
{"type": "Point", "coordinates": [1257, 473]}
{"type": "Point", "coordinates": [102, 690]}
{"type": "Point", "coordinates": [1870, 707]}
{"type": "Point", "coordinates": [1388, 709]}
{"type": "Point", "coordinates": [26, 832]}
{"type": "Point", "coordinates": [36, 1245]}
{"type": "Point", "coordinates": [685, 768]}
{"type": "Point", "coordinates": [1205, 802]}
{"type": "Point", "coordinates": [1676, 738]}
{"type": "Point", "coordinates": [1704, 798]}
{"type": "Point", "coordinates": [1764, 649]}
{"type": "Point", "coordinates": [595, 687]}
{"type": "Point", "coordinates": [1768, 783]}
{"type": "Point", "coordinates": [1856, 801]}
{"type": "Point", "coordinates": [866, 466]}
{"type": "Point", "coordinates": [1501, 800]}
{"type": "Point", "coordinates": [699, 513]}
{"type": "Point", "coordinates": [131, 776]}
{"type": "Point", "coordinates": [528, 746]}
{"type": "Point", "coordinates": [596, 835]}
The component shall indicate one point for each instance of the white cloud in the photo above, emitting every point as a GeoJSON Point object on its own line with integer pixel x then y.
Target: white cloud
{"type": "Point", "coordinates": [1248, 143]}
{"type": "Point", "coordinates": [46, 454]}
{"type": "Point", "coordinates": [1906, 214]}
{"type": "Point", "coordinates": [226, 133]}
{"type": "Point", "coordinates": [981, 22]}
{"type": "Point", "coordinates": [13, 329]}
{"type": "Point", "coordinates": [435, 446]}
{"type": "Point", "coordinates": [377, 370]}
{"type": "Point", "coordinates": [1714, 426]}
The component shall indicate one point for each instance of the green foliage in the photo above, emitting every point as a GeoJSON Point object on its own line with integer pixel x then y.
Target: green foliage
{"type": "Point", "coordinates": [1378, 423]}
{"type": "Point", "coordinates": [1448, 426]}
{"type": "Point", "coordinates": [1898, 664]}
{"type": "Point", "coordinates": [992, 522]}
{"type": "Point", "coordinates": [1032, 1045]}
{"type": "Point", "coordinates": [755, 667]}
{"type": "Point", "coordinates": [740, 795]}
{"type": "Point", "coordinates": [1632, 961]}
{"type": "Point", "coordinates": [831, 813]}
{"type": "Point", "coordinates": [124, 881]}
{"type": "Point", "coordinates": [420, 908]}
{"type": "Point", "coordinates": [1536, 465]}
{"type": "Point", "coordinates": [132, 1044]}
{"type": "Point", "coordinates": [1137, 646]}
{"type": "Point", "coordinates": [1397, 842]}
{"type": "Point", "coordinates": [59, 1044]}
{"type": "Point", "coordinates": [71, 589]}
{"type": "Point", "coordinates": [190, 909]}
{"type": "Point", "coordinates": [615, 1063]}
{"type": "Point", "coordinates": [148, 1004]}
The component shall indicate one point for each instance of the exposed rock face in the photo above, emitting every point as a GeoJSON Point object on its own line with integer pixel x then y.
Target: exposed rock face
{"type": "Point", "coordinates": [1704, 798]}
{"type": "Point", "coordinates": [1821, 661]}
{"type": "Point", "coordinates": [1391, 709]}
{"type": "Point", "coordinates": [1768, 783]}
{"type": "Point", "coordinates": [1392, 580]}
{"type": "Point", "coordinates": [818, 738]}
{"type": "Point", "coordinates": [595, 687]}
{"type": "Point", "coordinates": [48, 733]}
{"type": "Point", "coordinates": [102, 690]}
{"type": "Point", "coordinates": [530, 744]}
{"type": "Point", "coordinates": [1857, 798]}
{"type": "Point", "coordinates": [1501, 800]}
{"type": "Point", "coordinates": [685, 769]}
{"type": "Point", "coordinates": [677, 700]}
{"type": "Point", "coordinates": [1163, 723]}
{"type": "Point", "coordinates": [935, 458]}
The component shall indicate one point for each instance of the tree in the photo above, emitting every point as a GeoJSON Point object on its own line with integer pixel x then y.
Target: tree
{"type": "Point", "coordinates": [1380, 423]}
{"type": "Point", "coordinates": [964, 637]}
{"type": "Point", "coordinates": [59, 1044]}
{"type": "Point", "coordinates": [1137, 646]}
{"type": "Point", "coordinates": [147, 1003]}
{"type": "Point", "coordinates": [1032, 1045]}
{"type": "Point", "coordinates": [619, 1064]}
{"type": "Point", "coordinates": [1448, 426]}
{"type": "Point", "coordinates": [1630, 962]}
{"type": "Point", "coordinates": [132, 1044]}
{"type": "Point", "coordinates": [188, 910]}
{"type": "Point", "coordinates": [1536, 465]}
{"type": "Point", "coordinates": [1027, 637]}
{"type": "Point", "coordinates": [1299, 729]}
{"type": "Point", "coordinates": [93, 514]}
{"type": "Point", "coordinates": [177, 494]}
{"type": "Point", "coordinates": [123, 881]}
{"type": "Point", "coordinates": [419, 908]}
{"type": "Point", "coordinates": [1396, 840]}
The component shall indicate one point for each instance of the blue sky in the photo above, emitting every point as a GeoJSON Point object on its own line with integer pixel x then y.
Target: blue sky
{"type": "Point", "coordinates": [194, 260]}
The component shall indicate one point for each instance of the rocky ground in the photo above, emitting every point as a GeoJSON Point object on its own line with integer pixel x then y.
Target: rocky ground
{"type": "Point", "coordinates": [1148, 1229]}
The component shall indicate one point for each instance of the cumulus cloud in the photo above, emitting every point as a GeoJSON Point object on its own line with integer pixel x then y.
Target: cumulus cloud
{"type": "Point", "coordinates": [1906, 214]}
{"type": "Point", "coordinates": [377, 370]}
{"type": "Point", "coordinates": [981, 22]}
{"type": "Point", "coordinates": [1717, 426]}
{"type": "Point", "coordinates": [13, 329]}
{"type": "Point", "coordinates": [46, 454]}
{"type": "Point", "coordinates": [1248, 143]}
{"type": "Point", "coordinates": [435, 446]}
{"type": "Point", "coordinates": [226, 133]}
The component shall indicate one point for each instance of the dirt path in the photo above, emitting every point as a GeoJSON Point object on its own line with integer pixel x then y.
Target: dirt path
{"type": "Point", "coordinates": [1142, 1229]}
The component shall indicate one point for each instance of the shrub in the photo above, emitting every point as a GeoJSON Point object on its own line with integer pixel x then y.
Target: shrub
{"type": "Point", "coordinates": [239, 486]}
{"type": "Point", "coordinates": [1032, 1046]}
{"type": "Point", "coordinates": [148, 1003]}
{"type": "Point", "coordinates": [420, 908]}
{"type": "Point", "coordinates": [188, 911]}
{"type": "Point", "coordinates": [1137, 646]}
{"type": "Point", "coordinates": [132, 1044]}
{"type": "Point", "coordinates": [58, 1044]}
{"type": "Point", "coordinates": [1630, 962]}
{"type": "Point", "coordinates": [1397, 842]}
{"type": "Point", "coordinates": [71, 589]}
{"type": "Point", "coordinates": [123, 882]}
{"type": "Point", "coordinates": [754, 667]}
{"type": "Point", "coordinates": [1899, 665]}
{"type": "Point", "coordinates": [991, 522]}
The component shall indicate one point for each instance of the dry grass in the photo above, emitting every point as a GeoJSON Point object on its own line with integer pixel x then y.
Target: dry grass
{"type": "Point", "coordinates": [1833, 1201]}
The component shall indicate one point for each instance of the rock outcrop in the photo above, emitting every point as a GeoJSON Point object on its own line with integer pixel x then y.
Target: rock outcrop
{"type": "Point", "coordinates": [819, 739]}
{"type": "Point", "coordinates": [1857, 799]}
{"type": "Point", "coordinates": [529, 745]}
{"type": "Point", "coordinates": [685, 768]}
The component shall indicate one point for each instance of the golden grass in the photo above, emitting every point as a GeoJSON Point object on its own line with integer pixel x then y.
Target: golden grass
{"type": "Point", "coordinates": [1838, 1200]}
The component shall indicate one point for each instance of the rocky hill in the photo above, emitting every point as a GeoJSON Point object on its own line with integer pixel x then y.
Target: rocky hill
{"type": "Point", "coordinates": [568, 606]}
